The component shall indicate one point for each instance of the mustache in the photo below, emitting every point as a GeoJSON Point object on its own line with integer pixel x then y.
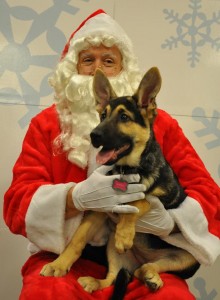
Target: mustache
{"type": "Point", "coordinates": [81, 87]}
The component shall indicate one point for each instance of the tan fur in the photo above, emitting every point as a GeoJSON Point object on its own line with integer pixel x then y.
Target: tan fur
{"type": "Point", "coordinates": [125, 229]}
{"type": "Point", "coordinates": [140, 137]}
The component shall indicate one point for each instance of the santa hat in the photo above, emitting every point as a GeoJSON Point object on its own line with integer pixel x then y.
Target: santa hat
{"type": "Point", "coordinates": [66, 48]}
{"type": "Point", "coordinates": [100, 24]}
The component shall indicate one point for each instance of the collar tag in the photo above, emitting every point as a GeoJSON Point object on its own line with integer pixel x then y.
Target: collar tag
{"type": "Point", "coordinates": [120, 185]}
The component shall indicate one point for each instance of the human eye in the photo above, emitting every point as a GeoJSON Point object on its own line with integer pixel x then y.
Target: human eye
{"type": "Point", "coordinates": [108, 62]}
{"type": "Point", "coordinates": [87, 60]}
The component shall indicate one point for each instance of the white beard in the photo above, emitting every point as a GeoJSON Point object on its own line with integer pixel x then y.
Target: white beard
{"type": "Point", "coordinates": [78, 115]}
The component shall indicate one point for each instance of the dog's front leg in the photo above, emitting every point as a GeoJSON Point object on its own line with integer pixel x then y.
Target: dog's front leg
{"type": "Point", "coordinates": [85, 232]}
{"type": "Point", "coordinates": [125, 229]}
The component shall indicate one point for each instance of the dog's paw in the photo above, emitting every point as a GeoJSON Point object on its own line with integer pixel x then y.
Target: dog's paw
{"type": "Point", "coordinates": [153, 281]}
{"type": "Point", "coordinates": [150, 277]}
{"type": "Point", "coordinates": [53, 269]}
{"type": "Point", "coordinates": [89, 284]}
{"type": "Point", "coordinates": [124, 239]}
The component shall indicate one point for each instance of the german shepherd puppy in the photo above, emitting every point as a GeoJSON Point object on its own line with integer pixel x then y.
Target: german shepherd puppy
{"type": "Point", "coordinates": [128, 142]}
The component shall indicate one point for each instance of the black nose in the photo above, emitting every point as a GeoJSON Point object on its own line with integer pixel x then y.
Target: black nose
{"type": "Point", "coordinates": [96, 138]}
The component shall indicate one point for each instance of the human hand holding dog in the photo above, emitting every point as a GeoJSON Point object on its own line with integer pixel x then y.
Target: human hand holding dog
{"type": "Point", "coordinates": [96, 192]}
{"type": "Point", "coordinates": [157, 220]}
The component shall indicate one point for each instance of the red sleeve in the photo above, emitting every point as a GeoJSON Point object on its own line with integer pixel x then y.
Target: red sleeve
{"type": "Point", "coordinates": [32, 169]}
{"type": "Point", "coordinates": [189, 168]}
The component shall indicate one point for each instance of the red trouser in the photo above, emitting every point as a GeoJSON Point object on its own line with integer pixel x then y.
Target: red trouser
{"type": "Point", "coordinates": [36, 287]}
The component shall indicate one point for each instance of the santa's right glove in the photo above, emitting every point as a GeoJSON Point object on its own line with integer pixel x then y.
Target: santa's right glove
{"type": "Point", "coordinates": [96, 192]}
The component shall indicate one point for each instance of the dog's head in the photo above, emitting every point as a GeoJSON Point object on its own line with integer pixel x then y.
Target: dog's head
{"type": "Point", "coordinates": [126, 121]}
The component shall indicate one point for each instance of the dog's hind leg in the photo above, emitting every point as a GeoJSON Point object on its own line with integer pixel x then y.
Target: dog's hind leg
{"type": "Point", "coordinates": [125, 229]}
{"type": "Point", "coordinates": [115, 262]}
{"type": "Point", "coordinates": [175, 261]}
{"type": "Point", "coordinates": [86, 230]}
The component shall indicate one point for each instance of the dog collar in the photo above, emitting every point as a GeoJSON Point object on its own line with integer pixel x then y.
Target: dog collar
{"type": "Point", "coordinates": [126, 170]}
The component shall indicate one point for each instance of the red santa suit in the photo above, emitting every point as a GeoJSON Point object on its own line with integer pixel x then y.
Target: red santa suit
{"type": "Point", "coordinates": [35, 204]}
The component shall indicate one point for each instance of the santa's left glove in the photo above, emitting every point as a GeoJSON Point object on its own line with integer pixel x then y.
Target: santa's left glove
{"type": "Point", "coordinates": [157, 220]}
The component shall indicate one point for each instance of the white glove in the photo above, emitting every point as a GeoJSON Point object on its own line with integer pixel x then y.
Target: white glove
{"type": "Point", "coordinates": [157, 220]}
{"type": "Point", "coordinates": [96, 192]}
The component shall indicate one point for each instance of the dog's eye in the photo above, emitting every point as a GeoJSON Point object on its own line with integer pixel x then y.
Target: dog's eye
{"type": "Point", "coordinates": [125, 118]}
{"type": "Point", "coordinates": [103, 116]}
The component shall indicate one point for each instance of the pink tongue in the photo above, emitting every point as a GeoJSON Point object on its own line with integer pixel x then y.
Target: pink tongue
{"type": "Point", "coordinates": [105, 156]}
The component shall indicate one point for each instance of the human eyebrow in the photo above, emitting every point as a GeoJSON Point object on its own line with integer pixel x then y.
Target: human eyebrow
{"type": "Point", "coordinates": [109, 54]}
{"type": "Point", "coordinates": [85, 55]}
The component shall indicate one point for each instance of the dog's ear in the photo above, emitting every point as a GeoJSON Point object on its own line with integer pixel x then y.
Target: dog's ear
{"type": "Point", "coordinates": [146, 93]}
{"type": "Point", "coordinates": [102, 90]}
{"type": "Point", "coordinates": [149, 87]}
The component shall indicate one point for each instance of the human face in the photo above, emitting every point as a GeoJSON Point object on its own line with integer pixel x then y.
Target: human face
{"type": "Point", "coordinates": [108, 59]}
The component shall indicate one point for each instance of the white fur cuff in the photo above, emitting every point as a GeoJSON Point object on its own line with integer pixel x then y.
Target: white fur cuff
{"type": "Point", "coordinates": [195, 236]}
{"type": "Point", "coordinates": [45, 219]}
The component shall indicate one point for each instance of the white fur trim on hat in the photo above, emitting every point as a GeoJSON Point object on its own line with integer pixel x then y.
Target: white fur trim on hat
{"type": "Point", "coordinates": [103, 24]}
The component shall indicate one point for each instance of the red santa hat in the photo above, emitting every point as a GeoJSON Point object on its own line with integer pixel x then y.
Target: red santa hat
{"type": "Point", "coordinates": [100, 24]}
{"type": "Point", "coordinates": [66, 48]}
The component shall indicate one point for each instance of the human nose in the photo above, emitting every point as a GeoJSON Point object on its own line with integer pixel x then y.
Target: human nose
{"type": "Point", "coordinates": [96, 65]}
